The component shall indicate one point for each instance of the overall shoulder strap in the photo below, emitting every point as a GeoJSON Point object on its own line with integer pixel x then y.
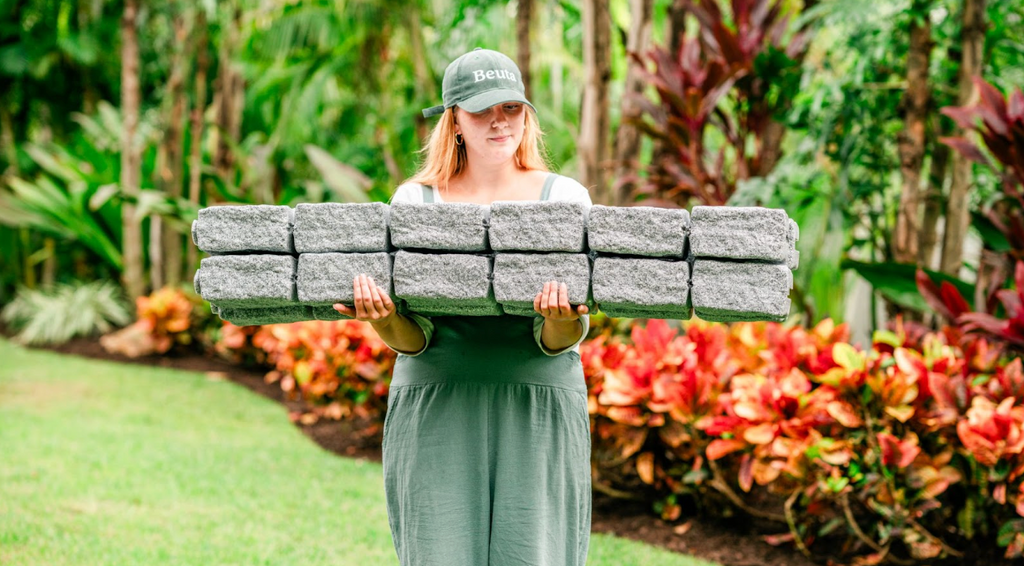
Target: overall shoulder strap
{"type": "Point", "coordinates": [546, 191]}
{"type": "Point", "coordinates": [428, 193]}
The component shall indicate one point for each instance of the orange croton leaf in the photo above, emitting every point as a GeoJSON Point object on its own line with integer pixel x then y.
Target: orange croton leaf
{"type": "Point", "coordinates": [844, 414]}
{"type": "Point", "coordinates": [721, 447]}
{"type": "Point", "coordinates": [895, 452]}
{"type": "Point", "coordinates": [645, 467]}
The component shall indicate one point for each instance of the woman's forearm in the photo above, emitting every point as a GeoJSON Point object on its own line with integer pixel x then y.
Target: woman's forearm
{"type": "Point", "coordinates": [558, 335]}
{"type": "Point", "coordinates": [402, 334]}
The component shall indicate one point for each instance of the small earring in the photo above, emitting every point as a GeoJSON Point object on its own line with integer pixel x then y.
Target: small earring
{"type": "Point", "coordinates": [458, 139]}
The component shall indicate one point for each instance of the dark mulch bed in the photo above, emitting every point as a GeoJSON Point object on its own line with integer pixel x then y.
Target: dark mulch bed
{"type": "Point", "coordinates": [735, 543]}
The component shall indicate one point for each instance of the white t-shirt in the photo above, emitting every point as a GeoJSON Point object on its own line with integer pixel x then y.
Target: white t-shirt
{"type": "Point", "coordinates": [562, 189]}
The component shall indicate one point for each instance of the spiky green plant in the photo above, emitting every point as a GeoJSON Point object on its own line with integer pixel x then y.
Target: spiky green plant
{"type": "Point", "coordinates": [67, 310]}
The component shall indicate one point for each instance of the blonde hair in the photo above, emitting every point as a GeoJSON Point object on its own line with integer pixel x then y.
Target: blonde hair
{"type": "Point", "coordinates": [446, 159]}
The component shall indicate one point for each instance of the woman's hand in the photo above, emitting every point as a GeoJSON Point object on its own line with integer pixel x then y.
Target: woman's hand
{"type": "Point", "coordinates": [553, 303]}
{"type": "Point", "coordinates": [372, 304]}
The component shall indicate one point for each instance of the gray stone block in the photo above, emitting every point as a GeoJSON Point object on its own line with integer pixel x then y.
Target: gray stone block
{"type": "Point", "coordinates": [244, 229]}
{"type": "Point", "coordinates": [266, 315]}
{"type": "Point", "coordinates": [341, 227]}
{"type": "Point", "coordinates": [638, 230]}
{"type": "Point", "coordinates": [741, 232]}
{"type": "Point", "coordinates": [729, 291]}
{"type": "Point", "coordinates": [551, 226]}
{"type": "Point", "coordinates": [517, 278]}
{"type": "Point", "coordinates": [442, 282]}
{"type": "Point", "coordinates": [327, 278]}
{"type": "Point", "coordinates": [642, 287]}
{"type": "Point", "coordinates": [248, 281]}
{"type": "Point", "coordinates": [453, 226]}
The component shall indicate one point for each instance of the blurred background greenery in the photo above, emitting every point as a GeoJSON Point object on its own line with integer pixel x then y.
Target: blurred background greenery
{"type": "Point", "coordinates": [120, 119]}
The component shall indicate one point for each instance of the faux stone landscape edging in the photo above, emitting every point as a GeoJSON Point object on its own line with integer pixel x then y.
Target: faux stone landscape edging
{"type": "Point", "coordinates": [272, 264]}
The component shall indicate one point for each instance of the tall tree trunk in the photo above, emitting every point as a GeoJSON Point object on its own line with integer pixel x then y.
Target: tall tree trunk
{"type": "Point", "coordinates": [421, 68]}
{"type": "Point", "coordinates": [195, 161]}
{"type": "Point", "coordinates": [592, 144]}
{"type": "Point", "coordinates": [173, 138]}
{"type": "Point", "coordinates": [225, 99]}
{"type": "Point", "coordinates": [912, 139]}
{"type": "Point", "coordinates": [524, 16]}
{"type": "Point", "coordinates": [130, 158]}
{"type": "Point", "coordinates": [627, 140]}
{"type": "Point", "coordinates": [928, 237]}
{"type": "Point", "coordinates": [972, 43]}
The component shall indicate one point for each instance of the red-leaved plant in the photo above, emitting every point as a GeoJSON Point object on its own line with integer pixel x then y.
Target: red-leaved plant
{"type": "Point", "coordinates": [800, 427]}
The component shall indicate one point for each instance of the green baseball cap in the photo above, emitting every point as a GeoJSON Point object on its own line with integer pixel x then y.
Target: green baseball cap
{"type": "Point", "coordinates": [478, 80]}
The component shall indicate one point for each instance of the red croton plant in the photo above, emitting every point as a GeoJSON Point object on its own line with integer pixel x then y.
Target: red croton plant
{"type": "Point", "coordinates": [338, 367]}
{"type": "Point", "coordinates": [891, 449]}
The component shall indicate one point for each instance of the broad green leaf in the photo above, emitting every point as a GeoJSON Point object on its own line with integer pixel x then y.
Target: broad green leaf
{"type": "Point", "coordinates": [896, 282]}
{"type": "Point", "coordinates": [347, 181]}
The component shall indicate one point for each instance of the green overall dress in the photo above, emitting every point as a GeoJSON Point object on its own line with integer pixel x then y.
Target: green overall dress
{"type": "Point", "coordinates": [486, 448]}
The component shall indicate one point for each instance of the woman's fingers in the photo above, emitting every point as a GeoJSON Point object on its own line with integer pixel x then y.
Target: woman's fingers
{"type": "Point", "coordinates": [378, 300]}
{"type": "Point", "coordinates": [357, 294]}
{"type": "Point", "coordinates": [564, 309]}
{"type": "Point", "coordinates": [544, 304]}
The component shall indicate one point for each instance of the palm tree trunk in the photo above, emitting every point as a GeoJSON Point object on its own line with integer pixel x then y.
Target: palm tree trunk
{"type": "Point", "coordinates": [627, 140]}
{"type": "Point", "coordinates": [972, 43]}
{"type": "Point", "coordinates": [195, 161]}
{"type": "Point", "coordinates": [592, 143]}
{"type": "Point", "coordinates": [928, 237]}
{"type": "Point", "coordinates": [132, 277]}
{"type": "Point", "coordinates": [173, 138]}
{"type": "Point", "coordinates": [912, 138]}
{"type": "Point", "coordinates": [524, 15]}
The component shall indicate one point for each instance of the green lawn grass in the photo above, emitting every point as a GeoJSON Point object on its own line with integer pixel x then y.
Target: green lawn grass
{"type": "Point", "coordinates": [106, 463]}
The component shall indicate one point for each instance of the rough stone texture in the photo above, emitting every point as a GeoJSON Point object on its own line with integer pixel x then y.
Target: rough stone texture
{"type": "Point", "coordinates": [248, 281]}
{"type": "Point", "coordinates": [444, 283]}
{"type": "Point", "coordinates": [327, 278]}
{"type": "Point", "coordinates": [517, 278]}
{"type": "Point", "coordinates": [244, 229]}
{"type": "Point", "coordinates": [266, 315]}
{"type": "Point", "coordinates": [741, 232]}
{"type": "Point", "coordinates": [453, 226]}
{"type": "Point", "coordinates": [552, 226]}
{"type": "Point", "coordinates": [735, 291]}
{"type": "Point", "coordinates": [638, 230]}
{"type": "Point", "coordinates": [642, 288]}
{"type": "Point", "coordinates": [341, 227]}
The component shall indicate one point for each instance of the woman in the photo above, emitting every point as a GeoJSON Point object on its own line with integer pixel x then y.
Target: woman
{"type": "Point", "coordinates": [486, 443]}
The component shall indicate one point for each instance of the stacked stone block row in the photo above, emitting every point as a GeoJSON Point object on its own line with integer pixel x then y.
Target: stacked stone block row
{"type": "Point", "coordinates": [273, 264]}
{"type": "Point", "coordinates": [742, 260]}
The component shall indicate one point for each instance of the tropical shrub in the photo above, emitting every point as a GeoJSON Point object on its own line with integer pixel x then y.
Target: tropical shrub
{"type": "Point", "coordinates": [341, 368]}
{"type": "Point", "coordinates": [171, 319]}
{"type": "Point", "coordinates": [999, 122]}
{"type": "Point", "coordinates": [1006, 327]}
{"type": "Point", "coordinates": [906, 450]}
{"type": "Point", "coordinates": [58, 314]}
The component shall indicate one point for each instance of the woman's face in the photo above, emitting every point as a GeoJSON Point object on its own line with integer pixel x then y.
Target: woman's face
{"type": "Point", "coordinates": [494, 134]}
